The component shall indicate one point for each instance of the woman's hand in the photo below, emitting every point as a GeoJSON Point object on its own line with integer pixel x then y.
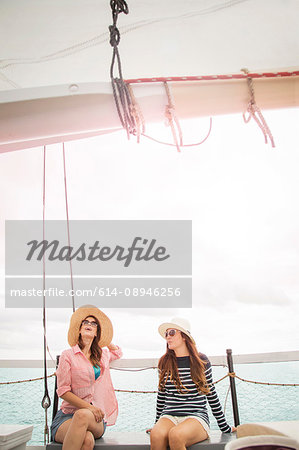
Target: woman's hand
{"type": "Point", "coordinates": [111, 346]}
{"type": "Point", "coordinates": [97, 412]}
{"type": "Point", "coordinates": [233, 429]}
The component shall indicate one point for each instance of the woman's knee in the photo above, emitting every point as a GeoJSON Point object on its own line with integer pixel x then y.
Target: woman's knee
{"type": "Point", "coordinates": [158, 434]}
{"type": "Point", "coordinates": [175, 437]}
{"type": "Point", "coordinates": [82, 417]}
{"type": "Point", "coordinates": [88, 442]}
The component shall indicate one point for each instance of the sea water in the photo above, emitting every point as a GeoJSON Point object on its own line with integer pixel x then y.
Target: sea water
{"type": "Point", "coordinates": [20, 403]}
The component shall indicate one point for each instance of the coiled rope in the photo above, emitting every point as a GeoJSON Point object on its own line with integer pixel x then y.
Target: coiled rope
{"type": "Point", "coordinates": [120, 91]}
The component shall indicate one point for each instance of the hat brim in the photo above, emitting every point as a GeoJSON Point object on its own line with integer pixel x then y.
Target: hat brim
{"type": "Point", "coordinates": [165, 326]}
{"type": "Point", "coordinates": [81, 314]}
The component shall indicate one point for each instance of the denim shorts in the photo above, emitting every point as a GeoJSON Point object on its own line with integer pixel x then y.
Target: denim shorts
{"type": "Point", "coordinates": [59, 419]}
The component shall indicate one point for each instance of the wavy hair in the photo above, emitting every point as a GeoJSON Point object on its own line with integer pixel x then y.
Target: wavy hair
{"type": "Point", "coordinates": [95, 350]}
{"type": "Point", "coordinates": [168, 368]}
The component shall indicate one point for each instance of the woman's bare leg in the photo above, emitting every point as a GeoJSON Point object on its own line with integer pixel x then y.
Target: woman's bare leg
{"type": "Point", "coordinates": [72, 433]}
{"type": "Point", "coordinates": [186, 433]}
{"type": "Point", "coordinates": [159, 434]}
{"type": "Point", "coordinates": [88, 443]}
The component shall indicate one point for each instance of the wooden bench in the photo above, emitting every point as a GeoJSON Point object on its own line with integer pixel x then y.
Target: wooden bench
{"type": "Point", "coordinates": [141, 441]}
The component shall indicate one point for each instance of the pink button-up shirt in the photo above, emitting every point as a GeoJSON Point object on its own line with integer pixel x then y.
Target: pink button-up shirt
{"type": "Point", "coordinates": [75, 374]}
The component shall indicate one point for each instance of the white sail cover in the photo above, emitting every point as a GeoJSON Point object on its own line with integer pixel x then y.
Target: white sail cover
{"type": "Point", "coordinates": [55, 61]}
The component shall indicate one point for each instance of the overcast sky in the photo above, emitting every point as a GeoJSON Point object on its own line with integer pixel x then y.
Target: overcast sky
{"type": "Point", "coordinates": [242, 197]}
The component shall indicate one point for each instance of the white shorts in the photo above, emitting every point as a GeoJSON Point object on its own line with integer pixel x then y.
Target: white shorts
{"type": "Point", "coordinates": [179, 419]}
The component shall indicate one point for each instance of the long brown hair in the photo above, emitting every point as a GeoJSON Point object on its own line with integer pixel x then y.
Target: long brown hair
{"type": "Point", "coordinates": [168, 369]}
{"type": "Point", "coordinates": [95, 350]}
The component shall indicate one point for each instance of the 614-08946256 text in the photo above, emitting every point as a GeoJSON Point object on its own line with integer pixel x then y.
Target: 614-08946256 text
{"type": "Point", "coordinates": [99, 292]}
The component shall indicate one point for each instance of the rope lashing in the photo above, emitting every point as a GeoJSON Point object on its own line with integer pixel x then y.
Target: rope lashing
{"type": "Point", "coordinates": [128, 110]}
{"type": "Point", "coordinates": [184, 145]}
{"type": "Point", "coordinates": [136, 113]}
{"type": "Point", "coordinates": [172, 120]}
{"type": "Point", "coordinates": [46, 403]}
{"type": "Point", "coordinates": [254, 112]}
{"type": "Point", "coordinates": [121, 94]}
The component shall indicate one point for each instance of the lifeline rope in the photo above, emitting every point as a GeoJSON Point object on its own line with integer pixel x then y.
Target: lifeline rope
{"type": "Point", "coordinates": [120, 91]}
{"type": "Point", "coordinates": [132, 370]}
{"type": "Point", "coordinates": [262, 382]}
{"type": "Point", "coordinates": [255, 112]}
{"type": "Point", "coordinates": [26, 381]}
{"type": "Point", "coordinates": [68, 225]}
{"type": "Point", "coordinates": [229, 374]}
{"type": "Point", "coordinates": [46, 401]}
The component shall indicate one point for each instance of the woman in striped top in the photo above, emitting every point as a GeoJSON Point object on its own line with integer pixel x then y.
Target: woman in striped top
{"type": "Point", "coordinates": [185, 386]}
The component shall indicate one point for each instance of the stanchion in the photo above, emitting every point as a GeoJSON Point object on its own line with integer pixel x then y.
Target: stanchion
{"type": "Point", "coordinates": [233, 387]}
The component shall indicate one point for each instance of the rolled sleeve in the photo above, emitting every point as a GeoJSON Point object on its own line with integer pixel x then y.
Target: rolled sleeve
{"type": "Point", "coordinates": [115, 354]}
{"type": "Point", "coordinates": [63, 374]}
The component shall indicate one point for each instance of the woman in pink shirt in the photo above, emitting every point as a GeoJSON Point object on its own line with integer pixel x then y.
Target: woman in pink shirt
{"type": "Point", "coordinates": [84, 381]}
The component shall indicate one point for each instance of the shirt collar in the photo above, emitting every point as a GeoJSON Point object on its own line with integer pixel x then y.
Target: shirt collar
{"type": "Point", "coordinates": [76, 349]}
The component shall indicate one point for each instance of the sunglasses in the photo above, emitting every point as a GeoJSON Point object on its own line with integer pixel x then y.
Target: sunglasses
{"type": "Point", "coordinates": [170, 333]}
{"type": "Point", "coordinates": [86, 322]}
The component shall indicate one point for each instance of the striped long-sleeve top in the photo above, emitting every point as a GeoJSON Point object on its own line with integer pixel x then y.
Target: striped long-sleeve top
{"type": "Point", "coordinates": [191, 403]}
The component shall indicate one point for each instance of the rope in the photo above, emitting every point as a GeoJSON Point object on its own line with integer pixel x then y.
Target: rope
{"type": "Point", "coordinates": [226, 398]}
{"type": "Point", "coordinates": [68, 225]}
{"type": "Point", "coordinates": [172, 120]}
{"type": "Point", "coordinates": [46, 401]}
{"type": "Point", "coordinates": [120, 91]}
{"type": "Point", "coordinates": [229, 374]}
{"type": "Point", "coordinates": [26, 381]}
{"type": "Point", "coordinates": [221, 379]}
{"type": "Point", "coordinates": [103, 38]}
{"type": "Point", "coordinates": [184, 145]}
{"type": "Point", "coordinates": [263, 382]}
{"type": "Point", "coordinates": [133, 370]}
{"type": "Point", "coordinates": [137, 114]}
{"type": "Point", "coordinates": [255, 112]}
{"type": "Point", "coordinates": [136, 392]}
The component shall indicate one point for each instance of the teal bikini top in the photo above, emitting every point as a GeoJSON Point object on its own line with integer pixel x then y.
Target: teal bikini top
{"type": "Point", "coordinates": [97, 371]}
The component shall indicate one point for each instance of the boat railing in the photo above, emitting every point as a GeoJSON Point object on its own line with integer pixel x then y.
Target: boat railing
{"type": "Point", "coordinates": [259, 389]}
{"type": "Point", "coordinates": [130, 363]}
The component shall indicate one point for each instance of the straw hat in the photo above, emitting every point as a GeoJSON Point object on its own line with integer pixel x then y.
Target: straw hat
{"type": "Point", "coordinates": [178, 323]}
{"type": "Point", "coordinates": [81, 314]}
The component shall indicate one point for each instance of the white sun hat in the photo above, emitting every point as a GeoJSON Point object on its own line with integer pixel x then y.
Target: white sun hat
{"type": "Point", "coordinates": [178, 323]}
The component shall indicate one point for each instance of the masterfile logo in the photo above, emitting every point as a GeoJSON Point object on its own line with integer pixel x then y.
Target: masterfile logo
{"type": "Point", "coordinates": [119, 263]}
{"type": "Point", "coordinates": [137, 250]}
